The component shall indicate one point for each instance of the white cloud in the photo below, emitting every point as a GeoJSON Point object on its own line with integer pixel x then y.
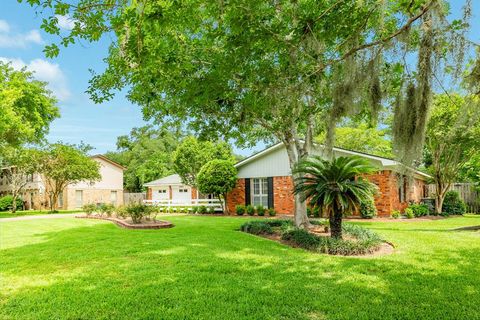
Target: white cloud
{"type": "Point", "coordinates": [17, 40]}
{"type": "Point", "coordinates": [45, 71]}
{"type": "Point", "coordinates": [4, 26]}
{"type": "Point", "coordinates": [65, 22]}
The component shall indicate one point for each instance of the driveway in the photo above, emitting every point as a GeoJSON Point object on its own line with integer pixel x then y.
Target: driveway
{"type": "Point", "coordinates": [40, 216]}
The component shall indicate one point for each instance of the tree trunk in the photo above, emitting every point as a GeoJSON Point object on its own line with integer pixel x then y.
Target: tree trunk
{"type": "Point", "coordinates": [300, 214]}
{"type": "Point", "coordinates": [336, 225]}
{"type": "Point", "coordinates": [53, 202]}
{"type": "Point", "coordinates": [14, 203]}
{"type": "Point", "coordinates": [224, 204]}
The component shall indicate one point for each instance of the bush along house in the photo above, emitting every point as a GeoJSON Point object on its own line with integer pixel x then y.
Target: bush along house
{"type": "Point", "coordinates": [265, 179]}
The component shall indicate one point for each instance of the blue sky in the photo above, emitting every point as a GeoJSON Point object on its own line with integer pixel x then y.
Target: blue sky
{"type": "Point", "coordinates": [22, 41]}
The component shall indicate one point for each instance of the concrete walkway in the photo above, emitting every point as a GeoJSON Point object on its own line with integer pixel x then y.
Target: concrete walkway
{"type": "Point", "coordinates": [40, 216]}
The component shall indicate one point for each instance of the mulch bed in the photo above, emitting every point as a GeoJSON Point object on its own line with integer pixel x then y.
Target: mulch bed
{"type": "Point", "coordinates": [159, 224]}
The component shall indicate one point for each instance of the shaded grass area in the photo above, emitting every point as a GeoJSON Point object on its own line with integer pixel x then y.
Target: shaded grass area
{"type": "Point", "coordinates": [205, 269]}
{"type": "Point", "coordinates": [21, 213]}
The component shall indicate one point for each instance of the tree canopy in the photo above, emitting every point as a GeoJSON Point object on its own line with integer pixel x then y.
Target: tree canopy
{"type": "Point", "coordinates": [192, 154]}
{"type": "Point", "coordinates": [452, 140]}
{"type": "Point", "coordinates": [217, 177]}
{"type": "Point", "coordinates": [27, 107]}
{"type": "Point", "coordinates": [147, 154]}
{"type": "Point", "coordinates": [62, 165]}
{"type": "Point", "coordinates": [275, 70]}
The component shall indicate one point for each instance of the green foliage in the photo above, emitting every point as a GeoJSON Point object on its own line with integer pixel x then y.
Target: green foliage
{"type": "Point", "coordinates": [452, 204]}
{"type": "Point", "coordinates": [217, 177]}
{"type": "Point", "coordinates": [106, 209]}
{"type": "Point", "coordinates": [363, 138]}
{"type": "Point", "coordinates": [256, 227]}
{"type": "Point", "coordinates": [192, 155]}
{"type": "Point", "coordinates": [301, 238]}
{"type": "Point", "coordinates": [452, 141]}
{"type": "Point", "coordinates": [147, 154]}
{"type": "Point", "coordinates": [419, 210]}
{"type": "Point", "coordinates": [137, 211]}
{"type": "Point", "coordinates": [395, 214]}
{"type": "Point", "coordinates": [6, 202]}
{"type": "Point", "coordinates": [240, 210]}
{"type": "Point", "coordinates": [89, 208]}
{"type": "Point", "coordinates": [194, 209]}
{"type": "Point", "coordinates": [27, 107]}
{"type": "Point", "coordinates": [336, 186]}
{"type": "Point", "coordinates": [409, 213]}
{"type": "Point", "coordinates": [272, 212]}
{"type": "Point", "coordinates": [368, 209]}
{"type": "Point", "coordinates": [202, 210]}
{"type": "Point", "coordinates": [121, 212]}
{"type": "Point", "coordinates": [260, 210]}
{"type": "Point", "coordinates": [63, 164]}
{"type": "Point", "coordinates": [250, 210]}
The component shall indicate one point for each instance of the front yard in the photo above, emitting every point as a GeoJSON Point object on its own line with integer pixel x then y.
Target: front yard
{"type": "Point", "coordinates": [204, 268]}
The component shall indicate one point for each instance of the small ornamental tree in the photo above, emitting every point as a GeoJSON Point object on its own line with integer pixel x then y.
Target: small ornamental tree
{"type": "Point", "coordinates": [191, 155]}
{"type": "Point", "coordinates": [218, 177]}
{"type": "Point", "coordinates": [62, 165]}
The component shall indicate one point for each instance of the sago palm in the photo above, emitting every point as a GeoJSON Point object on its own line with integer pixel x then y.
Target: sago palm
{"type": "Point", "coordinates": [336, 186]}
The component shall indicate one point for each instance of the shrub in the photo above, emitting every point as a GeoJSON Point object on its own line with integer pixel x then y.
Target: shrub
{"type": "Point", "coordinates": [261, 210]}
{"type": "Point", "coordinates": [409, 213]}
{"type": "Point", "coordinates": [89, 208]}
{"type": "Point", "coordinates": [395, 214]}
{"type": "Point", "coordinates": [107, 209]}
{"type": "Point", "coordinates": [452, 204]}
{"type": "Point", "coordinates": [202, 209]}
{"type": "Point", "coordinates": [240, 210]}
{"type": "Point", "coordinates": [360, 233]}
{"type": "Point", "coordinates": [194, 209]}
{"type": "Point", "coordinates": [257, 227]}
{"type": "Point", "coordinates": [272, 212]}
{"type": "Point", "coordinates": [347, 247]}
{"type": "Point", "coordinates": [419, 210]}
{"type": "Point", "coordinates": [137, 211]}
{"type": "Point", "coordinates": [309, 212]}
{"type": "Point", "coordinates": [7, 201]}
{"type": "Point", "coordinates": [301, 238]}
{"type": "Point", "coordinates": [250, 210]}
{"type": "Point", "coordinates": [368, 209]}
{"type": "Point", "coordinates": [121, 212]}
{"type": "Point", "coordinates": [211, 210]}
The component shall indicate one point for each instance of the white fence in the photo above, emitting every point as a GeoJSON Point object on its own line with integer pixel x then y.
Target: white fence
{"type": "Point", "coordinates": [185, 205]}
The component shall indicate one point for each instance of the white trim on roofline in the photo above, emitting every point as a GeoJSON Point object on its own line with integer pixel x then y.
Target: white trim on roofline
{"type": "Point", "coordinates": [386, 163]}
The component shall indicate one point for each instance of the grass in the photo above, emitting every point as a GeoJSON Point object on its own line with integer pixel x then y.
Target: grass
{"type": "Point", "coordinates": [204, 268]}
{"type": "Point", "coordinates": [21, 213]}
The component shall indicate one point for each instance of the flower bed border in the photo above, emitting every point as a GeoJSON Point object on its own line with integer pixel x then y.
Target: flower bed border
{"type": "Point", "coordinates": [161, 224]}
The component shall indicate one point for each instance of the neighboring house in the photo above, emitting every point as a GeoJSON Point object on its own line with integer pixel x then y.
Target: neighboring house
{"type": "Point", "coordinates": [170, 188]}
{"type": "Point", "coordinates": [265, 179]}
{"type": "Point", "coordinates": [109, 189]}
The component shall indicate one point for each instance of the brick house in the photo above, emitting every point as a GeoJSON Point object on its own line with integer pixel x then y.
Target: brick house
{"type": "Point", "coordinates": [265, 179]}
{"type": "Point", "coordinates": [109, 189]}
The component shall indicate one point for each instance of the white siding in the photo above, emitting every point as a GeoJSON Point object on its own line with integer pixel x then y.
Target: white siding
{"type": "Point", "coordinates": [276, 164]}
{"type": "Point", "coordinates": [112, 178]}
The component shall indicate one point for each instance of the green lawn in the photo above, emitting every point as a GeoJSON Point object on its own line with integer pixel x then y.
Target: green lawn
{"type": "Point", "coordinates": [204, 269]}
{"type": "Point", "coordinates": [20, 213]}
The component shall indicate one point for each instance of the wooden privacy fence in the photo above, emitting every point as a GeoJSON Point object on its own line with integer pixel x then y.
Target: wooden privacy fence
{"type": "Point", "coordinates": [469, 193]}
{"type": "Point", "coordinates": [130, 197]}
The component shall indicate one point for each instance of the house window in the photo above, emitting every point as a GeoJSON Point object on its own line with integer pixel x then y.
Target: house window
{"type": "Point", "coordinates": [183, 190]}
{"type": "Point", "coordinates": [79, 198]}
{"type": "Point", "coordinates": [162, 191]}
{"type": "Point", "coordinates": [113, 197]}
{"type": "Point", "coordinates": [259, 189]}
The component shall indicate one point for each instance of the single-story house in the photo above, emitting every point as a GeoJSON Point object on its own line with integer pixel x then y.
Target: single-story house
{"type": "Point", "coordinates": [109, 189]}
{"type": "Point", "coordinates": [265, 179]}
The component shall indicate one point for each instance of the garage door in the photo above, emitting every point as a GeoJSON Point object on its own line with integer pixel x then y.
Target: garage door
{"type": "Point", "coordinates": [181, 194]}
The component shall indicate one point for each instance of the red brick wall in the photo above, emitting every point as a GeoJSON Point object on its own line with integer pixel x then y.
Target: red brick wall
{"type": "Point", "coordinates": [236, 196]}
{"type": "Point", "coordinates": [283, 201]}
{"type": "Point", "coordinates": [386, 200]}
{"type": "Point", "coordinates": [194, 193]}
{"type": "Point", "coordinates": [149, 193]}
